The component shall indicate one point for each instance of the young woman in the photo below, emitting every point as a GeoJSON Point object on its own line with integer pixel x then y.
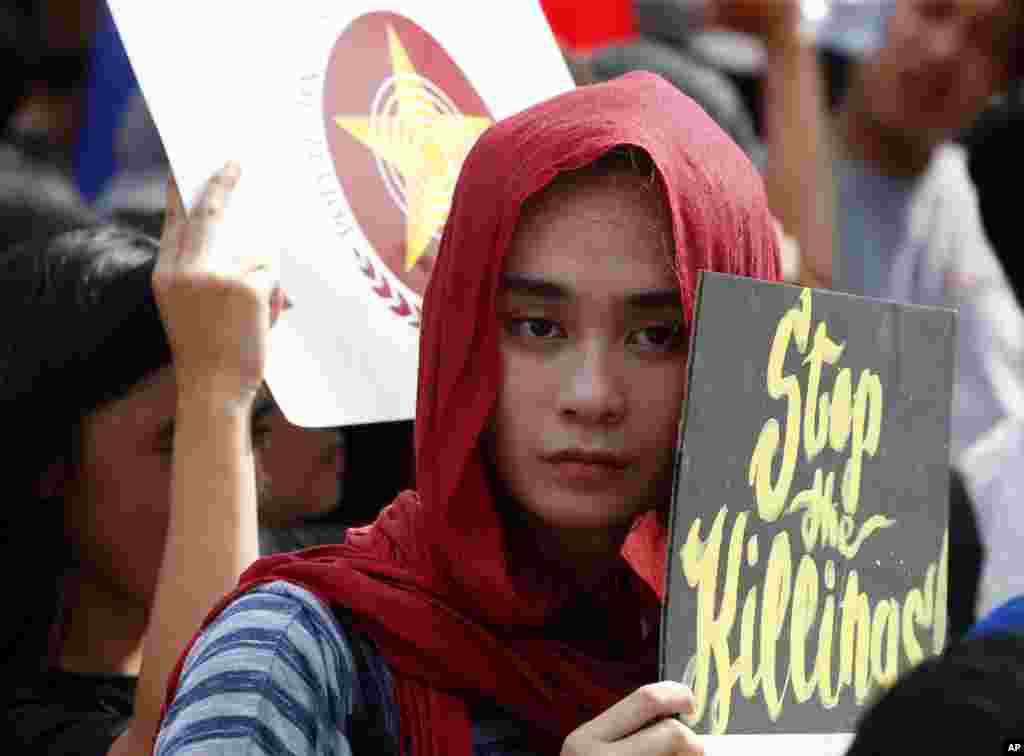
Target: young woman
{"type": "Point", "coordinates": [511, 605]}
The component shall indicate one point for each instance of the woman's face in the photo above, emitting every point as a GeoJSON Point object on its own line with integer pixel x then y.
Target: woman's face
{"type": "Point", "coordinates": [594, 356]}
{"type": "Point", "coordinates": [118, 498]}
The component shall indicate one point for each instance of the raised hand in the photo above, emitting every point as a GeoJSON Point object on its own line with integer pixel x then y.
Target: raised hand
{"type": "Point", "coordinates": [217, 304]}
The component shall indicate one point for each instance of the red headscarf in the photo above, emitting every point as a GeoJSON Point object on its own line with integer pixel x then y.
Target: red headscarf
{"type": "Point", "coordinates": [429, 581]}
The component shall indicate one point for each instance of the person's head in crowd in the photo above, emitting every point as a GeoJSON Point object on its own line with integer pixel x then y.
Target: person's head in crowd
{"type": "Point", "coordinates": [967, 700]}
{"type": "Point", "coordinates": [942, 62]}
{"type": "Point", "coordinates": [88, 396]}
{"type": "Point", "coordinates": [561, 396]}
{"type": "Point", "coordinates": [304, 470]}
{"type": "Point", "coordinates": [53, 41]}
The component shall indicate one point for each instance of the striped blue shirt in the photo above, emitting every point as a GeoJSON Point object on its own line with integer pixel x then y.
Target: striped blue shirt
{"type": "Point", "coordinates": [275, 674]}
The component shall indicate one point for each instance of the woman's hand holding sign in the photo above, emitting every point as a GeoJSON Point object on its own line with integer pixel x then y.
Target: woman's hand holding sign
{"type": "Point", "coordinates": [641, 724]}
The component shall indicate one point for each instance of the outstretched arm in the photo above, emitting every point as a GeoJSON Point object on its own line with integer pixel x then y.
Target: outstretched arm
{"type": "Point", "coordinates": [798, 177]}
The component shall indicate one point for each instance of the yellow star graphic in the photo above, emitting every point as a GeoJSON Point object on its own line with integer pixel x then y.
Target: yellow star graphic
{"type": "Point", "coordinates": [425, 145]}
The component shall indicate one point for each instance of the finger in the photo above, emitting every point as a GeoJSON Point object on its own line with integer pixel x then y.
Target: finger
{"type": "Point", "coordinates": [669, 736]}
{"type": "Point", "coordinates": [638, 709]}
{"type": "Point", "coordinates": [174, 217]}
{"type": "Point", "coordinates": [208, 213]}
{"type": "Point", "coordinates": [174, 209]}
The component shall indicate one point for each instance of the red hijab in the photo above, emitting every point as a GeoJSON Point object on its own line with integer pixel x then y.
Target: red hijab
{"type": "Point", "coordinates": [429, 581]}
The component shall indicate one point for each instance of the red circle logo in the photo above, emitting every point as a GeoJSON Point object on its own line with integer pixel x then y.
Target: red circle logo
{"type": "Point", "coordinates": [400, 117]}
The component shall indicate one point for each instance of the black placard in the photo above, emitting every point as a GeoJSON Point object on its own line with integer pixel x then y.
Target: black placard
{"type": "Point", "coordinates": [845, 535]}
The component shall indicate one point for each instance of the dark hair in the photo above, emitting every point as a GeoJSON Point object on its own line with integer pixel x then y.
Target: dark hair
{"type": "Point", "coordinates": [972, 691]}
{"type": "Point", "coordinates": [36, 200]}
{"type": "Point", "coordinates": [81, 328]}
{"type": "Point", "coordinates": [622, 158]}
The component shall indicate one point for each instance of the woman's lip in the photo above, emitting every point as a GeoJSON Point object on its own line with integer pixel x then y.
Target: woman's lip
{"type": "Point", "coordinates": [587, 474]}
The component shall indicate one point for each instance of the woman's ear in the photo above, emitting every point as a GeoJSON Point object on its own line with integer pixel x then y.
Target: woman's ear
{"type": "Point", "coordinates": [54, 480]}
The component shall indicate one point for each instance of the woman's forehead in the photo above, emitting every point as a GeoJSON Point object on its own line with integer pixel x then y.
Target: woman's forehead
{"type": "Point", "coordinates": [613, 230]}
{"type": "Point", "coordinates": [625, 207]}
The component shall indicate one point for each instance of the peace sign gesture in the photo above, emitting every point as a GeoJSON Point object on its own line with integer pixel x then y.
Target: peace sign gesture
{"type": "Point", "coordinates": [217, 304]}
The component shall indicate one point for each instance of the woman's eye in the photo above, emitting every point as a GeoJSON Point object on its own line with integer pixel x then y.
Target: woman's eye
{"type": "Point", "coordinates": [663, 337]}
{"type": "Point", "coordinates": [535, 328]}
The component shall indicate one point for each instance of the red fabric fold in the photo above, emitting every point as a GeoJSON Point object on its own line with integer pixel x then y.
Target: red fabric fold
{"type": "Point", "coordinates": [429, 581]}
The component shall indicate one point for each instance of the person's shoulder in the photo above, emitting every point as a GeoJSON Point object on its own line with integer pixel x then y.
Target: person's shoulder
{"type": "Point", "coordinates": [273, 605]}
{"type": "Point", "coordinates": [274, 670]}
{"type": "Point", "coordinates": [949, 203]}
{"type": "Point", "coordinates": [269, 622]}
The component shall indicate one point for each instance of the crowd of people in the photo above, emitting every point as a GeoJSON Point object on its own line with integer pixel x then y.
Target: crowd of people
{"type": "Point", "coordinates": [194, 574]}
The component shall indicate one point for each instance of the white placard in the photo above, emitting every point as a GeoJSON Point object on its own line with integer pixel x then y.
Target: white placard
{"type": "Point", "coordinates": [832, 744]}
{"type": "Point", "coordinates": [253, 83]}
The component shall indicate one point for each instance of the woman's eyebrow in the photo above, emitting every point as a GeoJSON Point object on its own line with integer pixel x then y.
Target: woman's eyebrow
{"type": "Point", "coordinates": [658, 299]}
{"type": "Point", "coordinates": [538, 288]}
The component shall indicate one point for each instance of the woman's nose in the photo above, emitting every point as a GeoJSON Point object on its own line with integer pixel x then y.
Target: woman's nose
{"type": "Point", "coordinates": [594, 391]}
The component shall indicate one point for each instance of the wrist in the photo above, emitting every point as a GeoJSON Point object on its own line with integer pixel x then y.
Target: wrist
{"type": "Point", "coordinates": [215, 395]}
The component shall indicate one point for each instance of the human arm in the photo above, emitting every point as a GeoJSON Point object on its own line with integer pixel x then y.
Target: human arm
{"type": "Point", "coordinates": [207, 548]}
{"type": "Point", "coordinates": [641, 724]}
{"type": "Point", "coordinates": [799, 179]}
{"type": "Point", "coordinates": [212, 526]}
